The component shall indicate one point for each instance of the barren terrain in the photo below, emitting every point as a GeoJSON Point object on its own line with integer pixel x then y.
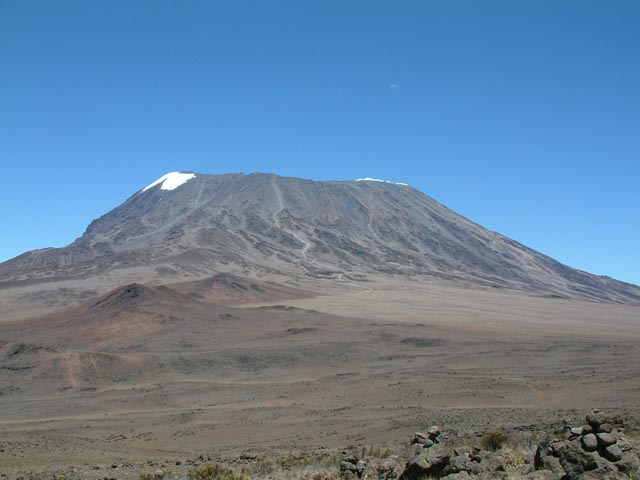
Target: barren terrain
{"type": "Point", "coordinates": [360, 363]}
{"type": "Point", "coordinates": [251, 316]}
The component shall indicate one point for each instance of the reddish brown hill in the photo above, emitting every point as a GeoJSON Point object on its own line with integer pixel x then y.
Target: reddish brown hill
{"type": "Point", "coordinates": [119, 320]}
{"type": "Point", "coordinates": [229, 289]}
{"type": "Point", "coordinates": [138, 317]}
{"type": "Point", "coordinates": [147, 333]}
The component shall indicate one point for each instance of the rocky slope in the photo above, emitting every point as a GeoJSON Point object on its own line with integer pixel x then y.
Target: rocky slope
{"type": "Point", "coordinates": [265, 223]}
{"type": "Point", "coordinates": [440, 454]}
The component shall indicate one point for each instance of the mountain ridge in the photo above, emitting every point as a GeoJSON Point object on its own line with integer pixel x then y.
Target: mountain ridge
{"type": "Point", "coordinates": [262, 222]}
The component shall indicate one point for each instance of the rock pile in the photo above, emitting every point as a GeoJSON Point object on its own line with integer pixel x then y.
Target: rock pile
{"type": "Point", "coordinates": [594, 450]}
{"type": "Point", "coordinates": [432, 460]}
{"type": "Point", "coordinates": [352, 467]}
{"type": "Point", "coordinates": [427, 440]}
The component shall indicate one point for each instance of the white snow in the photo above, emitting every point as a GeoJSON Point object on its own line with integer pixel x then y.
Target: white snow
{"type": "Point", "coordinates": [369, 179]}
{"type": "Point", "coordinates": [171, 181]}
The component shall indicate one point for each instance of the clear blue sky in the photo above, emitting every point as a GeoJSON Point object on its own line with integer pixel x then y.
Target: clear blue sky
{"type": "Point", "coordinates": [521, 115]}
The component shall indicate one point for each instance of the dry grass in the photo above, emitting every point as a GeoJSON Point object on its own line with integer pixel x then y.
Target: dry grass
{"type": "Point", "coordinates": [493, 440]}
{"type": "Point", "coordinates": [287, 467]}
{"type": "Point", "coordinates": [215, 472]}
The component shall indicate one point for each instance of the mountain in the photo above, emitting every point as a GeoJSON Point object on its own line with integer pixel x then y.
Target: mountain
{"type": "Point", "coordinates": [190, 225]}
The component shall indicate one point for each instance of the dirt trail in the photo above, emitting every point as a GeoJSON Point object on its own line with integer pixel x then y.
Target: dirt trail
{"type": "Point", "coordinates": [343, 282]}
{"type": "Point", "coordinates": [73, 368]}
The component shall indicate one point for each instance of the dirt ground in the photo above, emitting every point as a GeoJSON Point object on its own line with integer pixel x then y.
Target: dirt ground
{"type": "Point", "coordinates": [381, 360]}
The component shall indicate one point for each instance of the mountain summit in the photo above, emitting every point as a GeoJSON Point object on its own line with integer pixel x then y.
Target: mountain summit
{"type": "Point", "coordinates": [191, 225]}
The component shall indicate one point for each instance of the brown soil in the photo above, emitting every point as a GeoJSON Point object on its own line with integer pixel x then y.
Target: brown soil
{"type": "Point", "coordinates": [154, 374]}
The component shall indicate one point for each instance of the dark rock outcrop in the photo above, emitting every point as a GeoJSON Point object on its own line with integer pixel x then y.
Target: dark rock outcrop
{"type": "Point", "coordinates": [606, 454]}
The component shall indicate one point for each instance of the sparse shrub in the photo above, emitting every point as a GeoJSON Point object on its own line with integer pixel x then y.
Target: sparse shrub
{"type": "Point", "coordinates": [527, 441]}
{"type": "Point", "coordinates": [514, 462]}
{"type": "Point", "coordinates": [214, 472]}
{"type": "Point", "coordinates": [379, 452]}
{"type": "Point", "coordinates": [264, 466]}
{"type": "Point", "coordinates": [514, 457]}
{"type": "Point", "coordinates": [493, 440]}
{"type": "Point", "coordinates": [293, 462]}
{"type": "Point", "coordinates": [153, 476]}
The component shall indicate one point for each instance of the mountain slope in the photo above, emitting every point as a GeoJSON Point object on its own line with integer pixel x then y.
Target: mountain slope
{"type": "Point", "coordinates": [228, 289]}
{"type": "Point", "coordinates": [196, 225]}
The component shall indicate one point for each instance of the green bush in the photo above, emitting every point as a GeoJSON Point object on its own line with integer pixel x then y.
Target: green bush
{"type": "Point", "coordinates": [493, 440]}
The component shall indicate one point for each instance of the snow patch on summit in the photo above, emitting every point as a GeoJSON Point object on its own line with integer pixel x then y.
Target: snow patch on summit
{"type": "Point", "coordinates": [171, 181]}
{"type": "Point", "coordinates": [369, 179]}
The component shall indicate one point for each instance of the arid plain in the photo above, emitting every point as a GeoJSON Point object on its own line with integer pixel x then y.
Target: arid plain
{"type": "Point", "coordinates": [359, 363]}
